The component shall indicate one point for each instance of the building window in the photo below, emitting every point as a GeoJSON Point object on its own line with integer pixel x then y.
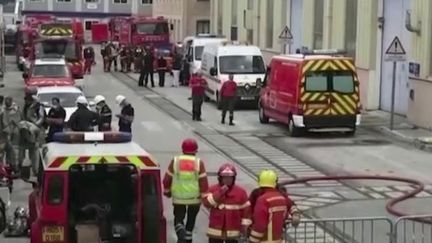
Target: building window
{"type": "Point", "coordinates": [120, 1]}
{"type": "Point", "coordinates": [351, 27]}
{"type": "Point", "coordinates": [318, 24]}
{"type": "Point", "coordinates": [91, 1]}
{"type": "Point", "coordinates": [64, 1]}
{"type": "Point", "coordinates": [234, 33]}
{"type": "Point", "coordinates": [203, 26]}
{"type": "Point", "coordinates": [36, 0]}
{"type": "Point", "coordinates": [146, 1]}
{"type": "Point", "coordinates": [249, 32]}
{"type": "Point", "coordinates": [269, 15]}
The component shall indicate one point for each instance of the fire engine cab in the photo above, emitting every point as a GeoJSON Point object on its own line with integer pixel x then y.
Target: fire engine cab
{"type": "Point", "coordinates": [62, 39]}
{"type": "Point", "coordinates": [96, 187]}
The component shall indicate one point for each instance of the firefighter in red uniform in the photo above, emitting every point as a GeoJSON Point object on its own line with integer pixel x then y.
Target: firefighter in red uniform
{"type": "Point", "coordinates": [271, 210]}
{"type": "Point", "coordinates": [198, 85]}
{"type": "Point", "coordinates": [228, 98]}
{"type": "Point", "coordinates": [186, 182]}
{"type": "Point", "coordinates": [229, 208]}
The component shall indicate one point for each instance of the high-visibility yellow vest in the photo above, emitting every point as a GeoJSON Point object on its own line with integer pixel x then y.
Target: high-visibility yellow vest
{"type": "Point", "coordinates": [185, 187]}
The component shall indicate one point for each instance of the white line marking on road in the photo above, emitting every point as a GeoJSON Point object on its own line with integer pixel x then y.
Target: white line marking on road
{"type": "Point", "coordinates": [151, 126]}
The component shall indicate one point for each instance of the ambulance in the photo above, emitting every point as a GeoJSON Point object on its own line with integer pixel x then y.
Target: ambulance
{"type": "Point", "coordinates": [96, 187]}
{"type": "Point", "coordinates": [316, 90]}
{"type": "Point", "coordinates": [244, 61]}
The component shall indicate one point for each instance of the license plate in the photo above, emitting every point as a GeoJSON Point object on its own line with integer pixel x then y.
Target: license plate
{"type": "Point", "coordinates": [247, 98]}
{"type": "Point", "coordinates": [317, 106]}
{"type": "Point", "coordinates": [53, 234]}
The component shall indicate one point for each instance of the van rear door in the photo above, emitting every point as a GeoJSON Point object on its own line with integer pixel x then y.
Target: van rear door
{"type": "Point", "coordinates": [330, 88]}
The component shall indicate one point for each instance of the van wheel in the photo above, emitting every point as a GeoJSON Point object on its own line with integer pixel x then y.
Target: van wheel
{"type": "Point", "coordinates": [262, 117]}
{"type": "Point", "coordinates": [21, 67]}
{"type": "Point", "coordinates": [206, 98]}
{"type": "Point", "coordinates": [2, 216]}
{"type": "Point", "coordinates": [293, 130]}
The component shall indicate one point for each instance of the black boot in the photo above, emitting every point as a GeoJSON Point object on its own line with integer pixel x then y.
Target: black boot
{"type": "Point", "coordinates": [231, 123]}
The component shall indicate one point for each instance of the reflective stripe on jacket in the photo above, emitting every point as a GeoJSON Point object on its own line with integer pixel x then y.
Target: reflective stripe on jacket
{"type": "Point", "coordinates": [186, 180]}
{"type": "Point", "coordinates": [228, 212]}
{"type": "Point", "coordinates": [270, 211]}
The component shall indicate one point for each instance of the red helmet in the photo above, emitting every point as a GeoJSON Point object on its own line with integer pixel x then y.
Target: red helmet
{"type": "Point", "coordinates": [189, 146]}
{"type": "Point", "coordinates": [227, 170]}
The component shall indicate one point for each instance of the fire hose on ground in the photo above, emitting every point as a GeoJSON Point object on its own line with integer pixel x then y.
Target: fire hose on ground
{"type": "Point", "coordinates": [390, 206]}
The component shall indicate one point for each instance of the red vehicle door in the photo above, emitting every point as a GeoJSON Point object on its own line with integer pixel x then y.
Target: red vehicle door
{"type": "Point", "coordinates": [99, 32]}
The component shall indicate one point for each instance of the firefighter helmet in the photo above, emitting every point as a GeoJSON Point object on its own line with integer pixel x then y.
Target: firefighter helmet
{"type": "Point", "coordinates": [120, 99]}
{"type": "Point", "coordinates": [227, 170]}
{"type": "Point", "coordinates": [98, 99]}
{"type": "Point", "coordinates": [267, 178]}
{"type": "Point", "coordinates": [81, 100]}
{"type": "Point", "coordinates": [189, 146]}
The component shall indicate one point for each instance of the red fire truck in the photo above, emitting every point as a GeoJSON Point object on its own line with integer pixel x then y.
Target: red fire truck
{"type": "Point", "coordinates": [26, 34]}
{"type": "Point", "coordinates": [139, 31]}
{"type": "Point", "coordinates": [65, 39]}
{"type": "Point", "coordinates": [96, 187]}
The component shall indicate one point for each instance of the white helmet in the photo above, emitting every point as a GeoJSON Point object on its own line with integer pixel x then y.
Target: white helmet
{"type": "Point", "coordinates": [98, 98]}
{"type": "Point", "coordinates": [81, 100]}
{"type": "Point", "coordinates": [120, 99]}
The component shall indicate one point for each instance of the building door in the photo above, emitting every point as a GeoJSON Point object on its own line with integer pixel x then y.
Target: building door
{"type": "Point", "coordinates": [296, 24]}
{"type": "Point", "coordinates": [394, 17]}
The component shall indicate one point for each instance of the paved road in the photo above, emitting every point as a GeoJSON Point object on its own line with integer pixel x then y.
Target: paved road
{"type": "Point", "coordinates": [163, 120]}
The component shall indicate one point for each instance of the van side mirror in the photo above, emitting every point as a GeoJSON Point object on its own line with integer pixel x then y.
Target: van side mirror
{"type": "Point", "coordinates": [171, 26]}
{"type": "Point", "coordinates": [189, 58]}
{"type": "Point", "coordinates": [25, 75]}
{"type": "Point", "coordinates": [260, 82]}
{"type": "Point", "coordinates": [213, 71]}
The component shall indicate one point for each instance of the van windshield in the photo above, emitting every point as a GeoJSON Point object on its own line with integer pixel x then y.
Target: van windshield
{"type": "Point", "coordinates": [241, 64]}
{"type": "Point", "coordinates": [330, 81]}
{"type": "Point", "coordinates": [198, 52]}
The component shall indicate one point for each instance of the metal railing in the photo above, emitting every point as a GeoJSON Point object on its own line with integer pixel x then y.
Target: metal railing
{"type": "Point", "coordinates": [341, 230]}
{"type": "Point", "coordinates": [409, 229]}
{"type": "Point", "coordinates": [413, 229]}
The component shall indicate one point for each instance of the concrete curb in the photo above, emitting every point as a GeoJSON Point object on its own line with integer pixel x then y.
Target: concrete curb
{"type": "Point", "coordinates": [420, 143]}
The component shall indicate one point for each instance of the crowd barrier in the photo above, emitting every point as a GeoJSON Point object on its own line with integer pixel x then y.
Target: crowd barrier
{"type": "Point", "coordinates": [409, 229]}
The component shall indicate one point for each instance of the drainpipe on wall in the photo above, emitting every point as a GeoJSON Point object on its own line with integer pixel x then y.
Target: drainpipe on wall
{"type": "Point", "coordinates": [381, 26]}
{"type": "Point", "coordinates": [327, 28]}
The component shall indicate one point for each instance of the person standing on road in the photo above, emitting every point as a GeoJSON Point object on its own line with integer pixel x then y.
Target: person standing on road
{"type": "Point", "coordinates": [10, 118]}
{"type": "Point", "coordinates": [162, 68]}
{"type": "Point", "coordinates": [229, 208]}
{"type": "Point", "coordinates": [147, 69]}
{"type": "Point", "coordinates": [185, 74]}
{"type": "Point", "coordinates": [29, 139]}
{"type": "Point", "coordinates": [35, 112]}
{"type": "Point", "coordinates": [186, 183]}
{"type": "Point", "coordinates": [55, 119]}
{"type": "Point", "coordinates": [176, 67]}
{"type": "Point", "coordinates": [271, 210]}
{"type": "Point", "coordinates": [126, 115]}
{"type": "Point", "coordinates": [104, 112]}
{"type": "Point", "coordinates": [228, 98]}
{"type": "Point", "coordinates": [198, 85]}
{"type": "Point", "coordinates": [88, 60]}
{"type": "Point", "coordinates": [138, 59]}
{"type": "Point", "coordinates": [83, 119]}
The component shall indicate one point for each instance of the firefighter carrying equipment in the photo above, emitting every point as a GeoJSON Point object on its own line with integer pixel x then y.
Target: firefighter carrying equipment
{"type": "Point", "coordinates": [189, 146]}
{"type": "Point", "coordinates": [230, 210]}
{"type": "Point", "coordinates": [267, 178]}
{"type": "Point", "coordinates": [269, 215]}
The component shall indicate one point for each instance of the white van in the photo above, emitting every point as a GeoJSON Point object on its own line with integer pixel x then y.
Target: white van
{"type": "Point", "coordinates": [194, 46]}
{"type": "Point", "coordinates": [242, 60]}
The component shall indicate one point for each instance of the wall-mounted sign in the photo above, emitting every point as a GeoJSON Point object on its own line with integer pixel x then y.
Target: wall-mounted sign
{"type": "Point", "coordinates": [92, 6]}
{"type": "Point", "coordinates": [414, 70]}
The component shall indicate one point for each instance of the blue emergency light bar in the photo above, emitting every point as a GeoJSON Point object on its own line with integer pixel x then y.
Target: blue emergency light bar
{"type": "Point", "coordinates": [92, 137]}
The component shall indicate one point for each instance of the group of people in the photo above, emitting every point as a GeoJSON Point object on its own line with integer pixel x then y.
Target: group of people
{"type": "Point", "coordinates": [29, 128]}
{"type": "Point", "coordinates": [234, 214]}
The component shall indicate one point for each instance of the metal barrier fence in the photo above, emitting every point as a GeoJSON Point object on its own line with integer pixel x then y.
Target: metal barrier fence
{"type": "Point", "coordinates": [410, 229]}
{"type": "Point", "coordinates": [413, 229]}
{"type": "Point", "coordinates": [341, 230]}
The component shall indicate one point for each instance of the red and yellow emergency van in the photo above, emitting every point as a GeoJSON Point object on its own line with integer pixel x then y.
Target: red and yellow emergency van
{"type": "Point", "coordinates": [315, 90]}
{"type": "Point", "coordinates": [96, 187]}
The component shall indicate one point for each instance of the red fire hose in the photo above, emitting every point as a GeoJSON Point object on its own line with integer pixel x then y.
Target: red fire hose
{"type": "Point", "coordinates": [390, 206]}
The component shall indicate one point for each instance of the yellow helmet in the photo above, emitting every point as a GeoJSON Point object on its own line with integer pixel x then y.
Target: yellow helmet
{"type": "Point", "coordinates": [267, 178]}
